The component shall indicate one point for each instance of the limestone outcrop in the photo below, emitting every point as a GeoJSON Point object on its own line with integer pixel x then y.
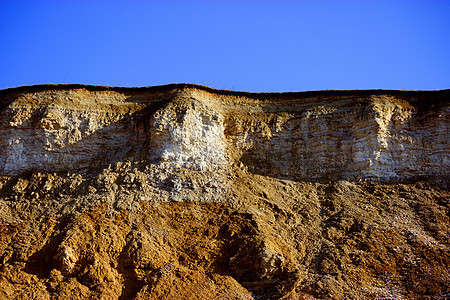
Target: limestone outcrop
{"type": "Point", "coordinates": [183, 191]}
{"type": "Point", "coordinates": [348, 135]}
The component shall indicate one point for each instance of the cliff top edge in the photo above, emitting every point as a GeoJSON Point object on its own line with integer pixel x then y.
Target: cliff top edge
{"type": "Point", "coordinates": [187, 86]}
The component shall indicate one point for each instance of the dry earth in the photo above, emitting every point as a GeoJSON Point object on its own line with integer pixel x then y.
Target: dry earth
{"type": "Point", "coordinates": [185, 192]}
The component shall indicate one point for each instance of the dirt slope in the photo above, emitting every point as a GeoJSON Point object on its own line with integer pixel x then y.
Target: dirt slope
{"type": "Point", "coordinates": [185, 192]}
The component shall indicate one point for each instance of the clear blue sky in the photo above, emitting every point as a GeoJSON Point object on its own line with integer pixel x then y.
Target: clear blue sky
{"type": "Point", "coordinates": [240, 45]}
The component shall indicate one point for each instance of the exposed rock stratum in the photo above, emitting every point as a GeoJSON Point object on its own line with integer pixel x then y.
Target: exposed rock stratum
{"type": "Point", "coordinates": [186, 192]}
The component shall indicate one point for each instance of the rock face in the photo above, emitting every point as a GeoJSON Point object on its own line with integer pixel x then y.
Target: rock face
{"type": "Point", "coordinates": [183, 191]}
{"type": "Point", "coordinates": [383, 135]}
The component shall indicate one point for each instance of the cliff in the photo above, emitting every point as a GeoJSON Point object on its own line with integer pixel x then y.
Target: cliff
{"type": "Point", "coordinates": [383, 135]}
{"type": "Point", "coordinates": [183, 191]}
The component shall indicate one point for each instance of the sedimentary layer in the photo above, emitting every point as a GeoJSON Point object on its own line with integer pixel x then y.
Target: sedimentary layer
{"type": "Point", "coordinates": [384, 135]}
{"type": "Point", "coordinates": [186, 192]}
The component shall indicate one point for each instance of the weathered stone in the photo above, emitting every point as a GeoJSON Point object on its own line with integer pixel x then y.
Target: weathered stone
{"type": "Point", "coordinates": [185, 192]}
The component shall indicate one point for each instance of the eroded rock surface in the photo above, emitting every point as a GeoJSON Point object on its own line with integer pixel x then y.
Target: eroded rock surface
{"type": "Point", "coordinates": [185, 192]}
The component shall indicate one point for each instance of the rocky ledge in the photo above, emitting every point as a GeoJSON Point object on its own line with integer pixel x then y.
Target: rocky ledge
{"type": "Point", "coordinates": [183, 191]}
